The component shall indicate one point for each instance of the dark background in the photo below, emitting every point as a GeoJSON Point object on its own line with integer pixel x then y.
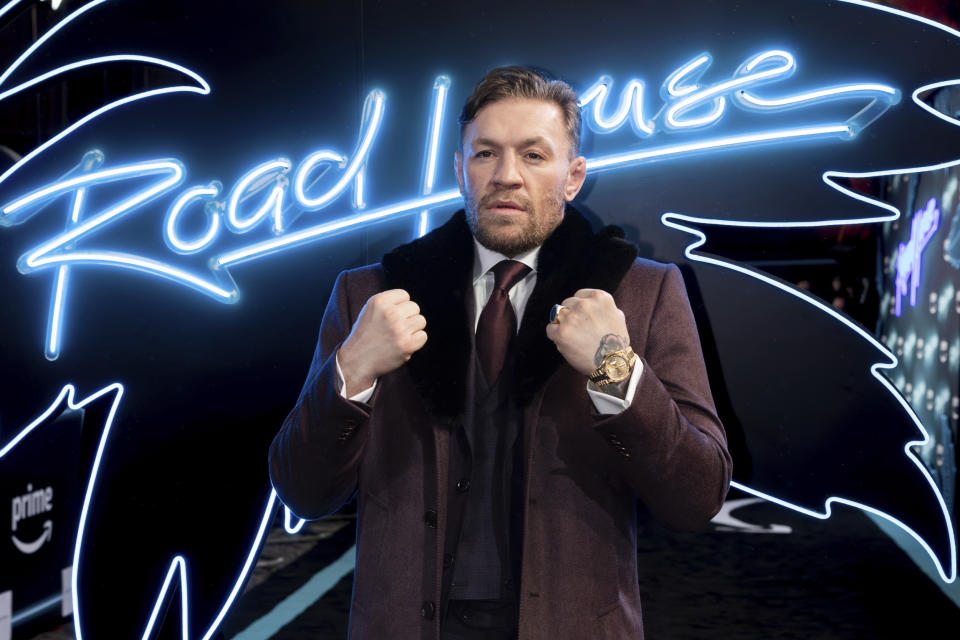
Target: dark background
{"type": "Point", "coordinates": [207, 384]}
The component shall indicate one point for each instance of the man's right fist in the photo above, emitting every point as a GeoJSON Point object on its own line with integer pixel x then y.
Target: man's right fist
{"type": "Point", "coordinates": [387, 332]}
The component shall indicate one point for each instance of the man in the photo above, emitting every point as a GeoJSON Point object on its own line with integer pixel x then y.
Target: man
{"type": "Point", "coordinates": [497, 469]}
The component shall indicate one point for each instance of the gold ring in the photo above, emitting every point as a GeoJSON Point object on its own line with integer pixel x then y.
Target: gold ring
{"type": "Point", "coordinates": [555, 313]}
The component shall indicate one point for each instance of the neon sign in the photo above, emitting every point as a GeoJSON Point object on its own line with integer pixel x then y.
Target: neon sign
{"type": "Point", "coordinates": [684, 96]}
{"type": "Point", "coordinates": [177, 569]}
{"type": "Point", "coordinates": [275, 193]}
{"type": "Point", "coordinates": [910, 254]}
{"type": "Point", "coordinates": [266, 211]}
{"type": "Point", "coordinates": [947, 571]}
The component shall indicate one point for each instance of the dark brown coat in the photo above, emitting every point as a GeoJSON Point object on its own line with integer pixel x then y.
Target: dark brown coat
{"type": "Point", "coordinates": [584, 472]}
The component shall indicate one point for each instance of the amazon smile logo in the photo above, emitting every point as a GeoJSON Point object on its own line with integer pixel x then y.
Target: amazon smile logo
{"type": "Point", "coordinates": [29, 505]}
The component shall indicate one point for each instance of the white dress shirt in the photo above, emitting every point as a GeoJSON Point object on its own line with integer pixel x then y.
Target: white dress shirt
{"type": "Point", "coordinates": [484, 260]}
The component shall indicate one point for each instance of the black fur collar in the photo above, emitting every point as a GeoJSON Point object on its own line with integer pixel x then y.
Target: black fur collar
{"type": "Point", "coordinates": [437, 271]}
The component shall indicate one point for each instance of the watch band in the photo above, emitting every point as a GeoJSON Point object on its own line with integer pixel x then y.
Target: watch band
{"type": "Point", "coordinates": [601, 377]}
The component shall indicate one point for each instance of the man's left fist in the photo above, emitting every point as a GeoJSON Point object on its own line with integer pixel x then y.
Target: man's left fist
{"type": "Point", "coordinates": [587, 317]}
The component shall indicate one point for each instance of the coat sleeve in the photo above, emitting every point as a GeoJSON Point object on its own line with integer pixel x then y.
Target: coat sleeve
{"type": "Point", "coordinates": [669, 443]}
{"type": "Point", "coordinates": [315, 457]}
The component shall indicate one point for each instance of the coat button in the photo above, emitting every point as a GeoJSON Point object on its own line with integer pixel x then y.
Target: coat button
{"type": "Point", "coordinates": [427, 610]}
{"type": "Point", "coordinates": [463, 485]}
{"type": "Point", "coordinates": [447, 560]}
{"type": "Point", "coordinates": [430, 517]}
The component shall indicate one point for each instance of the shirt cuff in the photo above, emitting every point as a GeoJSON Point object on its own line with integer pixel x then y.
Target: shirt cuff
{"type": "Point", "coordinates": [608, 405]}
{"type": "Point", "coordinates": [363, 396]}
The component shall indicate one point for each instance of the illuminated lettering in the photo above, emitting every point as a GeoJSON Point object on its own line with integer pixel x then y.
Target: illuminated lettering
{"type": "Point", "coordinates": [441, 87]}
{"type": "Point", "coordinates": [691, 104]}
{"type": "Point", "coordinates": [630, 105]}
{"type": "Point", "coordinates": [373, 105]}
{"type": "Point", "coordinates": [259, 179]}
{"type": "Point", "coordinates": [206, 195]}
{"type": "Point", "coordinates": [90, 160]}
{"type": "Point", "coordinates": [910, 254]}
{"type": "Point", "coordinates": [56, 251]}
{"type": "Point", "coordinates": [263, 195]}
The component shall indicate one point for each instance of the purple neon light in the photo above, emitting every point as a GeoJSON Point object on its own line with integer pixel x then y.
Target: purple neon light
{"type": "Point", "coordinates": [910, 255]}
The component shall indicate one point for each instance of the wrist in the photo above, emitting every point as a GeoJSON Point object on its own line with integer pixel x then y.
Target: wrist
{"type": "Point", "coordinates": [355, 377]}
{"type": "Point", "coordinates": [613, 368]}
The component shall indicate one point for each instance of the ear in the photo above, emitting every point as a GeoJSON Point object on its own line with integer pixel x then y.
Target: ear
{"type": "Point", "coordinates": [458, 165]}
{"type": "Point", "coordinates": [576, 174]}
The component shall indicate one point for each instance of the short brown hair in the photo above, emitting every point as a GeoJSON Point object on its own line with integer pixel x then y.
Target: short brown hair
{"type": "Point", "coordinates": [523, 82]}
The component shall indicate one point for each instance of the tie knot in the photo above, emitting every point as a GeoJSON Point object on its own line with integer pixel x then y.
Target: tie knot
{"type": "Point", "coordinates": [507, 273]}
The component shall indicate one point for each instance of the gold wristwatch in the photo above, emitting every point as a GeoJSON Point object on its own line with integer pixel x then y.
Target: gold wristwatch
{"type": "Point", "coordinates": [616, 367]}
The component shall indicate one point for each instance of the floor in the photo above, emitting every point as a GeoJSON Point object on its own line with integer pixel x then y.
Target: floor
{"type": "Point", "coordinates": [764, 573]}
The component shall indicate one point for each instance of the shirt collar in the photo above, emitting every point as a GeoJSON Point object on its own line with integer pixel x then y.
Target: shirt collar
{"type": "Point", "coordinates": [485, 259]}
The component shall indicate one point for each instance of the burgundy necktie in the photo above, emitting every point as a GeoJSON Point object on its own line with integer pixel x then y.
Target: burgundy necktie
{"type": "Point", "coordinates": [497, 324]}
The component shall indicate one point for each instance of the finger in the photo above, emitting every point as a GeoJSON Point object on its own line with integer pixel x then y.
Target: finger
{"type": "Point", "coordinates": [418, 339]}
{"type": "Point", "coordinates": [415, 323]}
{"type": "Point", "coordinates": [552, 330]}
{"type": "Point", "coordinates": [587, 293]}
{"type": "Point", "coordinates": [598, 295]}
{"type": "Point", "coordinates": [572, 303]}
{"type": "Point", "coordinates": [393, 296]}
{"type": "Point", "coordinates": [407, 309]}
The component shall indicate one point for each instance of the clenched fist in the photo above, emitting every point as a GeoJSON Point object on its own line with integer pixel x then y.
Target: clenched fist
{"type": "Point", "coordinates": [387, 332]}
{"type": "Point", "coordinates": [590, 326]}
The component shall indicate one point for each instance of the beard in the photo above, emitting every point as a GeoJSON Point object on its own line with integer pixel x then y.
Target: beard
{"type": "Point", "coordinates": [513, 236]}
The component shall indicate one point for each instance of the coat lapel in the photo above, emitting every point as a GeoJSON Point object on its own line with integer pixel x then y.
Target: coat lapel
{"type": "Point", "coordinates": [437, 272]}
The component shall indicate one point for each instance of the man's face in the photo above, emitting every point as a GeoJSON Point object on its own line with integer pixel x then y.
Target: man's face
{"type": "Point", "coordinates": [515, 172]}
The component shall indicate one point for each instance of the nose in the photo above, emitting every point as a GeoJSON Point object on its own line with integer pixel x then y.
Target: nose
{"type": "Point", "coordinates": [508, 172]}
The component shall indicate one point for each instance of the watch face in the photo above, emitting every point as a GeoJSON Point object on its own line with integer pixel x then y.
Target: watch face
{"type": "Point", "coordinates": [617, 368]}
